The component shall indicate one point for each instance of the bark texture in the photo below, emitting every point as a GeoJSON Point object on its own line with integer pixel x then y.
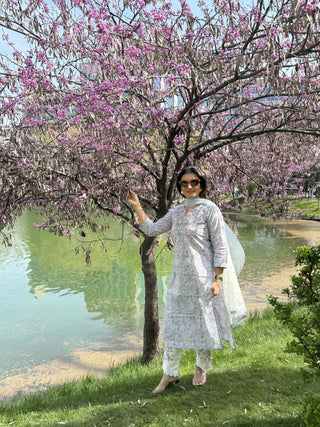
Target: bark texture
{"type": "Point", "coordinates": [151, 315]}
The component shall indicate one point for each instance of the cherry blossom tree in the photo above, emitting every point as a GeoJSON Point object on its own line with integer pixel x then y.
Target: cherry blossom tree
{"type": "Point", "coordinates": [104, 96]}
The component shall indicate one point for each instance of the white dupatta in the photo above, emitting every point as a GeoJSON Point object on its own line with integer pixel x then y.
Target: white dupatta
{"type": "Point", "coordinates": [231, 290]}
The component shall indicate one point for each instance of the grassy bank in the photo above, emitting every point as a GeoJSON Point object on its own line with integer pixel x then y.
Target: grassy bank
{"type": "Point", "coordinates": [257, 385]}
{"type": "Point", "coordinates": [300, 208]}
{"type": "Point", "coordinates": [305, 208]}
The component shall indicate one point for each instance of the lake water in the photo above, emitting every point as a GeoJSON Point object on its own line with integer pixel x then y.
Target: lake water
{"type": "Point", "coordinates": [52, 303]}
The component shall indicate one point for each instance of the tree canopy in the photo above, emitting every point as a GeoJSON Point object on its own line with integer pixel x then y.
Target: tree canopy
{"type": "Point", "coordinates": [110, 95]}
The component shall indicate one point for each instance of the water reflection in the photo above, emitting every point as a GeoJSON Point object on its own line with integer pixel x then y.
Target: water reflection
{"type": "Point", "coordinates": [51, 297]}
{"type": "Point", "coordinates": [52, 302]}
{"type": "Point", "coordinates": [269, 247]}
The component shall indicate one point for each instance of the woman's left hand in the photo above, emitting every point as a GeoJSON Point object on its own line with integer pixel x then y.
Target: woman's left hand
{"type": "Point", "coordinates": [215, 287]}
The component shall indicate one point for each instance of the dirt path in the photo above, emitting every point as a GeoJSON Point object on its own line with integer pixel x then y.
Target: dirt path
{"type": "Point", "coordinates": [79, 363]}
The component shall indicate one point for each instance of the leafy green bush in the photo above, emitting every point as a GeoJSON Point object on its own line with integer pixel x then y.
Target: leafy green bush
{"type": "Point", "coordinates": [302, 313]}
{"type": "Point", "coordinates": [310, 412]}
{"type": "Point", "coordinates": [305, 287]}
{"type": "Point", "coordinates": [304, 323]}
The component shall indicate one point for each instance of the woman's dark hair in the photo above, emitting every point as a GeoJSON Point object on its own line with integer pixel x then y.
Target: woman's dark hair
{"type": "Point", "coordinates": [203, 182]}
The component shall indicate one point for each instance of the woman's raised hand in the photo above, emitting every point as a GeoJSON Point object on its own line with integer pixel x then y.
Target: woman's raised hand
{"type": "Point", "coordinates": [133, 199]}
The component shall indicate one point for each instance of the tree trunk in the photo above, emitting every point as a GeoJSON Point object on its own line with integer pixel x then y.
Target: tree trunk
{"type": "Point", "coordinates": [151, 316]}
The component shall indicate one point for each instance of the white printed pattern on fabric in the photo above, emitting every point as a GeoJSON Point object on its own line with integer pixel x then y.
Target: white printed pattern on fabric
{"type": "Point", "coordinates": [193, 319]}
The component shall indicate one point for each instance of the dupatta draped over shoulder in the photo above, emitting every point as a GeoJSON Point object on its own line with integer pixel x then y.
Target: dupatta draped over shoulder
{"type": "Point", "coordinates": [202, 241]}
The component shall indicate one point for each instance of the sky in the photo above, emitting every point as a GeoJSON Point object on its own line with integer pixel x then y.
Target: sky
{"type": "Point", "coordinates": [22, 45]}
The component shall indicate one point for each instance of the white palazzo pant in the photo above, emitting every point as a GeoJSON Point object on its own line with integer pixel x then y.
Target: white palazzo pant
{"type": "Point", "coordinates": [172, 356]}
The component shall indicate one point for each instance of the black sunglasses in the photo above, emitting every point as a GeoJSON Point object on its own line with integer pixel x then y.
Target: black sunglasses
{"type": "Point", "coordinates": [193, 183]}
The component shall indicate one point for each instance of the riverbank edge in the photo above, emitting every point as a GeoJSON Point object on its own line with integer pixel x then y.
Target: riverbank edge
{"type": "Point", "coordinates": [288, 218]}
{"type": "Point", "coordinates": [258, 384]}
{"type": "Point", "coordinates": [300, 209]}
{"type": "Point", "coordinates": [46, 374]}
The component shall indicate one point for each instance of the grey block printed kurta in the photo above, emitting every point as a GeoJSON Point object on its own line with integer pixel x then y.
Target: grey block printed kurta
{"type": "Point", "coordinates": [193, 319]}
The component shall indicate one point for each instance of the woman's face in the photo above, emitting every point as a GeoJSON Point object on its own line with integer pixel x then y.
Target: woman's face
{"type": "Point", "coordinates": [190, 185]}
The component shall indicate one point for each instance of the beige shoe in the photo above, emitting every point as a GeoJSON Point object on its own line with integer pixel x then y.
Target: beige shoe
{"type": "Point", "coordinates": [166, 381]}
{"type": "Point", "coordinates": [200, 377]}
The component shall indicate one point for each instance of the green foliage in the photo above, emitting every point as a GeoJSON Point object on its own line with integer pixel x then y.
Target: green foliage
{"type": "Point", "coordinates": [302, 313]}
{"type": "Point", "coordinates": [304, 323]}
{"type": "Point", "coordinates": [308, 208]}
{"type": "Point", "coordinates": [306, 286]}
{"type": "Point", "coordinates": [311, 411]}
{"type": "Point", "coordinates": [251, 188]}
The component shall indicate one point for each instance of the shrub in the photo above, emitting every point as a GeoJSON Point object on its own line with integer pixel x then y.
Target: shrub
{"type": "Point", "coordinates": [310, 411]}
{"type": "Point", "coordinates": [302, 313]}
{"type": "Point", "coordinates": [305, 287]}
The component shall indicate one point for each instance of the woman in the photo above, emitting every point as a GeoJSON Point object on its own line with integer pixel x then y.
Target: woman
{"type": "Point", "coordinates": [196, 315]}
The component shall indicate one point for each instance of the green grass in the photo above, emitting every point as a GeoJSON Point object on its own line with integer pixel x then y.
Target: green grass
{"type": "Point", "coordinates": [300, 208]}
{"type": "Point", "coordinates": [257, 385]}
{"type": "Point", "coordinates": [309, 208]}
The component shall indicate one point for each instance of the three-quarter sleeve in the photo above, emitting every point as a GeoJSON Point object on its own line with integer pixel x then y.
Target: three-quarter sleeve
{"type": "Point", "coordinates": [218, 238]}
{"type": "Point", "coordinates": [161, 226]}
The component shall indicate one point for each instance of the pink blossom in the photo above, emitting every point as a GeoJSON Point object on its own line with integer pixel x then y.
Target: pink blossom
{"type": "Point", "coordinates": [42, 56]}
{"type": "Point", "coordinates": [62, 114]}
